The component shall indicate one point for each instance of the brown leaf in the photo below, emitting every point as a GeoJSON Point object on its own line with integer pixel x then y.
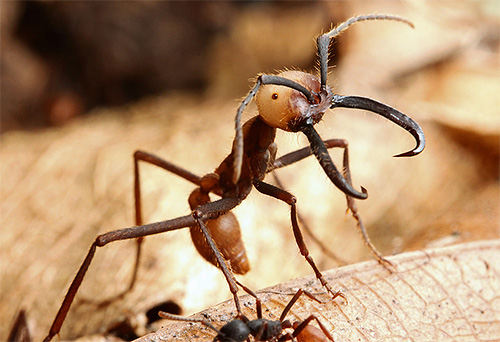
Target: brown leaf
{"type": "Point", "coordinates": [445, 294]}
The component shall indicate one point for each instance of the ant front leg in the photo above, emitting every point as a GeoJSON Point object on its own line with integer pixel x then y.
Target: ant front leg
{"type": "Point", "coordinates": [311, 233]}
{"type": "Point", "coordinates": [282, 195]}
{"type": "Point", "coordinates": [305, 152]}
{"type": "Point", "coordinates": [282, 162]}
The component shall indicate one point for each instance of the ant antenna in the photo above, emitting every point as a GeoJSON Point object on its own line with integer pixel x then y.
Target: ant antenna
{"type": "Point", "coordinates": [323, 41]}
{"type": "Point", "coordinates": [238, 140]}
{"type": "Point", "coordinates": [203, 321]}
{"type": "Point", "coordinates": [343, 26]}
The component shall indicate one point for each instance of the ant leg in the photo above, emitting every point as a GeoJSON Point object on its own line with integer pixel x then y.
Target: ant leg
{"type": "Point", "coordinates": [262, 329]}
{"type": "Point", "coordinates": [20, 330]}
{"type": "Point", "coordinates": [351, 205]}
{"type": "Point", "coordinates": [299, 328]}
{"type": "Point", "coordinates": [258, 303]}
{"type": "Point", "coordinates": [213, 210]}
{"type": "Point", "coordinates": [290, 304]}
{"type": "Point", "coordinates": [157, 161]}
{"type": "Point", "coordinates": [228, 274]}
{"type": "Point", "coordinates": [295, 298]}
{"type": "Point", "coordinates": [205, 322]}
{"type": "Point", "coordinates": [311, 234]}
{"type": "Point", "coordinates": [282, 195]}
{"type": "Point", "coordinates": [302, 153]}
{"type": "Point", "coordinates": [292, 158]}
{"type": "Point", "coordinates": [102, 240]}
{"type": "Point", "coordinates": [298, 155]}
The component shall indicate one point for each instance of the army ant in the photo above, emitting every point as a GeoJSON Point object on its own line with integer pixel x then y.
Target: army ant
{"type": "Point", "coordinates": [293, 101]}
{"type": "Point", "coordinates": [240, 328]}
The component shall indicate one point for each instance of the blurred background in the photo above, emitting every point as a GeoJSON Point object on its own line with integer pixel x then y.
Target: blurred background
{"type": "Point", "coordinates": [85, 84]}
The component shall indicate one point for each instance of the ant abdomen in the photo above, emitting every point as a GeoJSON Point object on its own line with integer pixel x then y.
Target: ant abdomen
{"type": "Point", "coordinates": [225, 230]}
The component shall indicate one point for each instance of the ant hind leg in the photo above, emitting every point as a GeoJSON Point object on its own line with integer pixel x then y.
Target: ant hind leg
{"type": "Point", "coordinates": [165, 165]}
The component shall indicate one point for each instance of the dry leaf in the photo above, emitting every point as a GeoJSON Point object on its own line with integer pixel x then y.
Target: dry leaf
{"type": "Point", "coordinates": [444, 294]}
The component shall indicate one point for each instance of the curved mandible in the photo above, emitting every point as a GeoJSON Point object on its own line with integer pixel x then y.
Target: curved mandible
{"type": "Point", "coordinates": [323, 41]}
{"type": "Point", "coordinates": [320, 151]}
{"type": "Point", "coordinates": [387, 112]}
{"type": "Point", "coordinates": [238, 139]}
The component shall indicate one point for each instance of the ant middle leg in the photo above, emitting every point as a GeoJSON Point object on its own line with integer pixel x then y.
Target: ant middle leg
{"type": "Point", "coordinates": [205, 322]}
{"type": "Point", "coordinates": [308, 333]}
{"type": "Point", "coordinates": [201, 214]}
{"type": "Point", "coordinates": [298, 326]}
{"type": "Point", "coordinates": [305, 152]}
{"type": "Point", "coordinates": [285, 196]}
{"type": "Point", "coordinates": [340, 261]}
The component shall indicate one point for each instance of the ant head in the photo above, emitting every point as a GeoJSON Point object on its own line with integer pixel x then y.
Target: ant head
{"type": "Point", "coordinates": [294, 101]}
{"type": "Point", "coordinates": [290, 106]}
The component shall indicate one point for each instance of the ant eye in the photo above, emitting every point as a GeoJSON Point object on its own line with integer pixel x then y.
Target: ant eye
{"type": "Point", "coordinates": [274, 96]}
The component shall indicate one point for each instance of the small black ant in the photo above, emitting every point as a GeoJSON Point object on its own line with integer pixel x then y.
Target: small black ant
{"type": "Point", "coordinates": [240, 328]}
{"type": "Point", "coordinates": [293, 101]}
